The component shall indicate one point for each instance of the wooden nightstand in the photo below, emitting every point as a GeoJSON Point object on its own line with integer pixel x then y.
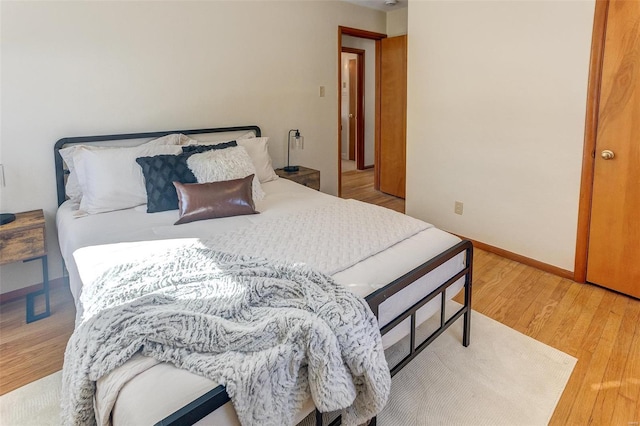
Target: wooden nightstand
{"type": "Point", "coordinates": [23, 240]}
{"type": "Point", "coordinates": [304, 176]}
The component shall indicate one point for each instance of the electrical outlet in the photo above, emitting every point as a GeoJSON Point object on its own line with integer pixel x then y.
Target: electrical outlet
{"type": "Point", "coordinates": [458, 207]}
{"type": "Point", "coordinates": [322, 91]}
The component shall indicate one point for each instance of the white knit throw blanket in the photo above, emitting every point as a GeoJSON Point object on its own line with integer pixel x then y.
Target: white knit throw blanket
{"type": "Point", "coordinates": [272, 333]}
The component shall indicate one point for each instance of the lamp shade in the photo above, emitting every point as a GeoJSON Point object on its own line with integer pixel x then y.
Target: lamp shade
{"type": "Point", "coordinates": [298, 143]}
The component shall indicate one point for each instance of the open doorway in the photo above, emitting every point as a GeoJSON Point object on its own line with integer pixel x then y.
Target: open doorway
{"type": "Point", "coordinates": [353, 110]}
{"type": "Point", "coordinates": [375, 126]}
{"type": "Point", "coordinates": [359, 53]}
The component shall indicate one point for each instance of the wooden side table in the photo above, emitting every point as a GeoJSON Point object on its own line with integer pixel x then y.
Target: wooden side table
{"type": "Point", "coordinates": [304, 176]}
{"type": "Point", "coordinates": [23, 240]}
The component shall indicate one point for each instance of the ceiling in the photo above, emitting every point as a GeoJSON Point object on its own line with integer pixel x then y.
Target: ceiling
{"type": "Point", "coordinates": [380, 4]}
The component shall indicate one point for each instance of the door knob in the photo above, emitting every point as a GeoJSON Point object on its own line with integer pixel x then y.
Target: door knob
{"type": "Point", "coordinates": [350, 115]}
{"type": "Point", "coordinates": [607, 154]}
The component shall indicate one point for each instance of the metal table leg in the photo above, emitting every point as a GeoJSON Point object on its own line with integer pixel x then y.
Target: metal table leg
{"type": "Point", "coordinates": [31, 315]}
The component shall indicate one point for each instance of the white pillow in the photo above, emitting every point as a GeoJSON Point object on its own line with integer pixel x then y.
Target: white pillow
{"type": "Point", "coordinates": [225, 164]}
{"type": "Point", "coordinates": [259, 153]}
{"type": "Point", "coordinates": [111, 179]}
{"type": "Point", "coordinates": [257, 148]}
{"type": "Point", "coordinates": [216, 138]}
{"type": "Point", "coordinates": [73, 188]}
{"type": "Point", "coordinates": [186, 140]}
{"type": "Point", "coordinates": [248, 135]}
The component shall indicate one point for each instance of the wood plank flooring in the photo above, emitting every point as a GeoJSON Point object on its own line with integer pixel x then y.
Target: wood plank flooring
{"type": "Point", "coordinates": [31, 351]}
{"type": "Point", "coordinates": [358, 184]}
{"type": "Point", "coordinates": [599, 327]}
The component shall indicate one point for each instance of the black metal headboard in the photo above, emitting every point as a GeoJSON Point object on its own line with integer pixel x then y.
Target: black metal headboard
{"type": "Point", "coordinates": [60, 167]}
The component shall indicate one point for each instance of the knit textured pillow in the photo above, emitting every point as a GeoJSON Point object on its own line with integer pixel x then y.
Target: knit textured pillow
{"type": "Point", "coordinates": [160, 172]}
{"type": "Point", "coordinates": [225, 164]}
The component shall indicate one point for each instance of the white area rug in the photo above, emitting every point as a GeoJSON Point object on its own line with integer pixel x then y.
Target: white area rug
{"type": "Point", "coordinates": [502, 378]}
{"type": "Point", "coordinates": [37, 403]}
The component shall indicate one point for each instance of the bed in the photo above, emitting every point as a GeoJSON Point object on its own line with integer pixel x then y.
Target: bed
{"type": "Point", "coordinates": [404, 284]}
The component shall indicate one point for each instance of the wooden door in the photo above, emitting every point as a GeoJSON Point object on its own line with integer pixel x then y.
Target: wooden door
{"type": "Point", "coordinates": [614, 234]}
{"type": "Point", "coordinates": [352, 108]}
{"type": "Point", "coordinates": [393, 115]}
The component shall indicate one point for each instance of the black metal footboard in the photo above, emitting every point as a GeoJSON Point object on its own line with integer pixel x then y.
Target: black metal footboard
{"type": "Point", "coordinates": [379, 296]}
{"type": "Point", "coordinates": [217, 397]}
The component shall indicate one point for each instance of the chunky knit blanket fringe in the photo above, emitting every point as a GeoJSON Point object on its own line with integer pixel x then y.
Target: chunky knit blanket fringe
{"type": "Point", "coordinates": [271, 333]}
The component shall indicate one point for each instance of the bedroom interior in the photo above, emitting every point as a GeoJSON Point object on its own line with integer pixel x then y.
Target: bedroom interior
{"type": "Point", "coordinates": [496, 101]}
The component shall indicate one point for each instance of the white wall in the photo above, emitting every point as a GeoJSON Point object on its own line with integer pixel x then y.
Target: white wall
{"type": "Point", "coordinates": [398, 21]}
{"type": "Point", "coordinates": [496, 108]}
{"type": "Point", "coordinates": [82, 68]}
{"type": "Point", "coordinates": [369, 46]}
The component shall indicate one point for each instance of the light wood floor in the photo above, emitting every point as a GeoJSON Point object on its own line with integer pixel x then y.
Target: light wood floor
{"type": "Point", "coordinates": [31, 351]}
{"type": "Point", "coordinates": [358, 184]}
{"type": "Point", "coordinates": [599, 327]}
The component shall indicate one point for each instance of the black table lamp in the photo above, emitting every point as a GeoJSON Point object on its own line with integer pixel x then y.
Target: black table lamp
{"type": "Point", "coordinates": [298, 143]}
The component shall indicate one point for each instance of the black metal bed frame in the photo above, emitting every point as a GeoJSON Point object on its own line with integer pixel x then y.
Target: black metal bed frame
{"type": "Point", "coordinates": [217, 397]}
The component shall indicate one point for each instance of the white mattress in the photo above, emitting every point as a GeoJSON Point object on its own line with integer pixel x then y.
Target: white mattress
{"type": "Point", "coordinates": [282, 198]}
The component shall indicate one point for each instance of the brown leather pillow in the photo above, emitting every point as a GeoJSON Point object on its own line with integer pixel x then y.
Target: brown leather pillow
{"type": "Point", "coordinates": [199, 201]}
